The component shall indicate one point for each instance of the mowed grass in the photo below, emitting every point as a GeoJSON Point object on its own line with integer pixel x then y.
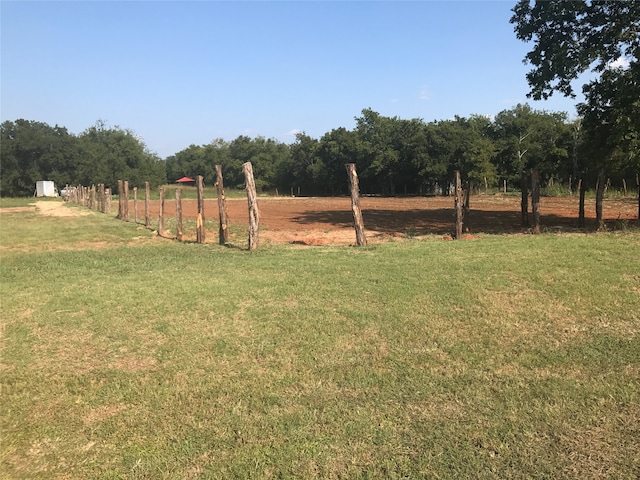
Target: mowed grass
{"type": "Point", "coordinates": [128, 356]}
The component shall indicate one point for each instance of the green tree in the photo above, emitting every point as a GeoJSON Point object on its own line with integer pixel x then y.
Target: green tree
{"type": "Point", "coordinates": [462, 144]}
{"type": "Point", "coordinates": [264, 154]}
{"type": "Point", "coordinates": [33, 151]}
{"type": "Point", "coordinates": [337, 148]}
{"type": "Point", "coordinates": [112, 154]}
{"type": "Point", "coordinates": [530, 139]}
{"type": "Point", "coordinates": [304, 169]}
{"type": "Point", "coordinates": [573, 37]}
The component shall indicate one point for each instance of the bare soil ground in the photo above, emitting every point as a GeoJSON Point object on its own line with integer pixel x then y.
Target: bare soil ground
{"type": "Point", "coordinates": [322, 221]}
{"type": "Point", "coordinates": [55, 209]}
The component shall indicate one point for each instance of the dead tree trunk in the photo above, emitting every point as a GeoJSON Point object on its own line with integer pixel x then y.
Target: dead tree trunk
{"type": "Point", "coordinates": [582, 189]}
{"type": "Point", "coordinates": [535, 200]}
{"type": "Point", "coordinates": [524, 201]}
{"type": "Point", "coordinates": [254, 213]}
{"type": "Point", "coordinates": [161, 213]}
{"type": "Point", "coordinates": [178, 215]}
{"type": "Point", "coordinates": [200, 230]}
{"type": "Point", "coordinates": [600, 198]}
{"type": "Point", "coordinates": [147, 194]}
{"type": "Point", "coordinates": [361, 238]}
{"type": "Point", "coordinates": [458, 204]}
{"type": "Point", "coordinates": [223, 232]}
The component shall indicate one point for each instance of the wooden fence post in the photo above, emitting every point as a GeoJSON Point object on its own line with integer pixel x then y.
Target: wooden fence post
{"type": "Point", "coordinates": [600, 186]}
{"type": "Point", "coordinates": [200, 229]}
{"type": "Point", "coordinates": [582, 190]}
{"type": "Point", "coordinates": [147, 194]}
{"type": "Point", "coordinates": [535, 200]}
{"type": "Point", "coordinates": [107, 200]}
{"type": "Point", "coordinates": [467, 196]}
{"type": "Point", "coordinates": [120, 198]}
{"type": "Point", "coordinates": [223, 232]}
{"type": "Point", "coordinates": [458, 203]}
{"type": "Point", "coordinates": [178, 215]}
{"type": "Point", "coordinates": [638, 187]}
{"type": "Point", "coordinates": [361, 238]}
{"type": "Point", "coordinates": [92, 197]}
{"type": "Point", "coordinates": [161, 213]}
{"type": "Point", "coordinates": [135, 204]}
{"type": "Point", "coordinates": [524, 200]}
{"type": "Point", "coordinates": [126, 201]}
{"type": "Point", "coordinates": [254, 213]}
{"type": "Point", "coordinates": [101, 198]}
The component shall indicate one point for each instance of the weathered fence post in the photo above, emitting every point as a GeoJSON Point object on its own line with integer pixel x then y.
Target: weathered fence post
{"type": "Point", "coordinates": [600, 185]}
{"type": "Point", "coordinates": [147, 194]}
{"type": "Point", "coordinates": [223, 232]}
{"type": "Point", "coordinates": [638, 187]}
{"type": "Point", "coordinates": [92, 197]}
{"type": "Point", "coordinates": [361, 238]}
{"type": "Point", "coordinates": [101, 198]}
{"type": "Point", "coordinates": [107, 200]}
{"type": "Point", "coordinates": [254, 213]}
{"type": "Point", "coordinates": [535, 200]}
{"type": "Point", "coordinates": [200, 229]}
{"type": "Point", "coordinates": [120, 198]}
{"type": "Point", "coordinates": [524, 200]}
{"type": "Point", "coordinates": [135, 204]}
{"type": "Point", "coordinates": [178, 215]}
{"type": "Point", "coordinates": [161, 213]}
{"type": "Point", "coordinates": [126, 201]}
{"type": "Point", "coordinates": [467, 196]}
{"type": "Point", "coordinates": [458, 203]}
{"type": "Point", "coordinates": [582, 190]}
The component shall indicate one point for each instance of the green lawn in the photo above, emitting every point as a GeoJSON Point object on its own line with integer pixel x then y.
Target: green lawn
{"type": "Point", "coordinates": [129, 356]}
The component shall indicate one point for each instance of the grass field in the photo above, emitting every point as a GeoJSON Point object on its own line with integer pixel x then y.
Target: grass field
{"type": "Point", "coordinates": [129, 356]}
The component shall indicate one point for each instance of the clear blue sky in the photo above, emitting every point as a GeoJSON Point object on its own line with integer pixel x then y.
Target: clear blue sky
{"type": "Point", "coordinates": [181, 73]}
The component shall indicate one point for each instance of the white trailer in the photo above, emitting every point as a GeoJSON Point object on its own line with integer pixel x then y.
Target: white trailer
{"type": "Point", "coordinates": [46, 188]}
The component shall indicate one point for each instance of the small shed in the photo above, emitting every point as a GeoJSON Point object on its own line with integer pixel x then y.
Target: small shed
{"type": "Point", "coordinates": [46, 188]}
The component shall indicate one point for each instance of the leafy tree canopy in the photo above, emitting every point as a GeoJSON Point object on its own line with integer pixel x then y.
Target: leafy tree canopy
{"type": "Point", "coordinates": [572, 37]}
{"type": "Point", "coordinates": [601, 36]}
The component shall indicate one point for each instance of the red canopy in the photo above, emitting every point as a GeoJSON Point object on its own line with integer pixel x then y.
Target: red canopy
{"type": "Point", "coordinates": [185, 180]}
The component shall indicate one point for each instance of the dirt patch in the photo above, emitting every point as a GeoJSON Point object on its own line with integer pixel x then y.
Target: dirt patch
{"type": "Point", "coordinates": [17, 209]}
{"type": "Point", "coordinates": [58, 209]}
{"type": "Point", "coordinates": [329, 221]}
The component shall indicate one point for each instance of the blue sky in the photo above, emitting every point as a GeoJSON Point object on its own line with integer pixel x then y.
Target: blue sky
{"type": "Point", "coordinates": [182, 73]}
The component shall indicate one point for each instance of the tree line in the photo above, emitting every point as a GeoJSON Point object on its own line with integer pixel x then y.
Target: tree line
{"type": "Point", "coordinates": [32, 151]}
{"type": "Point", "coordinates": [393, 155]}
{"type": "Point", "coordinates": [399, 156]}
